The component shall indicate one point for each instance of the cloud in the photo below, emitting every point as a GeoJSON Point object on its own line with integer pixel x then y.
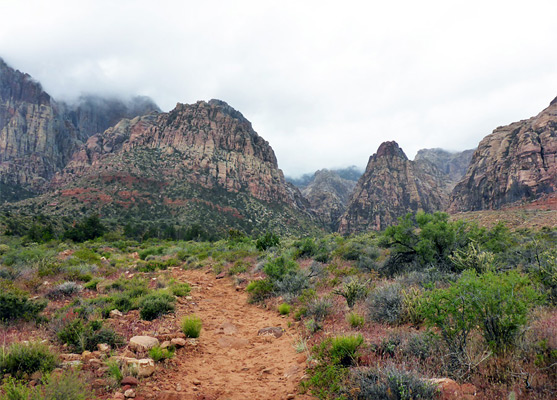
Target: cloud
{"type": "Point", "coordinates": [325, 84]}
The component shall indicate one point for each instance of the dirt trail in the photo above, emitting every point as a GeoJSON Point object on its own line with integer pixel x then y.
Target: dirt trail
{"type": "Point", "coordinates": [231, 361]}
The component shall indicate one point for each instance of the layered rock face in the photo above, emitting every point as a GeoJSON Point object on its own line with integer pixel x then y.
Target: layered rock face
{"type": "Point", "coordinates": [453, 164]}
{"type": "Point", "coordinates": [38, 135]}
{"type": "Point", "coordinates": [328, 195]}
{"type": "Point", "coordinates": [390, 187]}
{"type": "Point", "coordinates": [515, 163]}
{"type": "Point", "coordinates": [194, 159]}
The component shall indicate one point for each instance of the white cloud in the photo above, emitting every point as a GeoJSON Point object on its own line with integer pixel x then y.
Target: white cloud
{"type": "Point", "coordinates": [324, 83]}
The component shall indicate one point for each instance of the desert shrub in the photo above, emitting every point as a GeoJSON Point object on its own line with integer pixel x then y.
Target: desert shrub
{"type": "Point", "coordinates": [87, 229]}
{"type": "Point", "coordinates": [14, 306]}
{"type": "Point", "coordinates": [158, 354]}
{"type": "Point", "coordinates": [328, 374]}
{"type": "Point", "coordinates": [284, 309]}
{"type": "Point", "coordinates": [305, 248]}
{"type": "Point", "coordinates": [191, 326]}
{"type": "Point", "coordinates": [291, 284]}
{"type": "Point", "coordinates": [473, 257]}
{"type": "Point", "coordinates": [259, 290]}
{"type": "Point", "coordinates": [80, 335]}
{"type": "Point", "coordinates": [342, 349]}
{"type": "Point", "coordinates": [19, 359]}
{"type": "Point", "coordinates": [114, 370]}
{"type": "Point", "coordinates": [390, 384]}
{"type": "Point", "coordinates": [355, 320]}
{"type": "Point", "coordinates": [92, 284]}
{"type": "Point", "coordinates": [266, 241]}
{"type": "Point", "coordinates": [352, 290]}
{"type": "Point", "coordinates": [411, 301]}
{"type": "Point", "coordinates": [154, 305]}
{"type": "Point", "coordinates": [420, 345]}
{"type": "Point", "coordinates": [180, 289]}
{"type": "Point", "coordinates": [143, 254]}
{"type": "Point", "coordinates": [498, 303]}
{"type": "Point", "coordinates": [65, 289]}
{"type": "Point", "coordinates": [68, 385]}
{"type": "Point", "coordinates": [319, 309]}
{"type": "Point", "coordinates": [385, 304]}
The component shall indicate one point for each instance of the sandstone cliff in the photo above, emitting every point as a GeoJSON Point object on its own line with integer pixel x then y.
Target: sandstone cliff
{"type": "Point", "coordinates": [38, 135]}
{"type": "Point", "coordinates": [390, 187]}
{"type": "Point", "coordinates": [515, 163]}
{"type": "Point", "coordinates": [198, 163]}
{"type": "Point", "coordinates": [328, 195]}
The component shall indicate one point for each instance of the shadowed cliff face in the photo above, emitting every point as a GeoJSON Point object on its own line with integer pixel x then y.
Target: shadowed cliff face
{"type": "Point", "coordinates": [38, 135]}
{"type": "Point", "coordinates": [453, 164]}
{"type": "Point", "coordinates": [516, 163]}
{"type": "Point", "coordinates": [328, 195]}
{"type": "Point", "coordinates": [392, 186]}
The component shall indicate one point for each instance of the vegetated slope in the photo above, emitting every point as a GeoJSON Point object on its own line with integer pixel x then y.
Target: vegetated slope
{"type": "Point", "coordinates": [201, 163]}
{"type": "Point", "coordinates": [39, 135]}
{"type": "Point", "coordinates": [328, 195]}
{"type": "Point", "coordinates": [516, 163]}
{"type": "Point", "coordinates": [390, 187]}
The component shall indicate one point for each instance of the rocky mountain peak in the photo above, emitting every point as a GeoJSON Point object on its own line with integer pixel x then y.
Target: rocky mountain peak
{"type": "Point", "coordinates": [390, 149]}
{"type": "Point", "coordinates": [392, 186]}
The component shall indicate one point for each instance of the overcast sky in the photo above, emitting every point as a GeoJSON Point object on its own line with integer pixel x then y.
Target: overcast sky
{"type": "Point", "coordinates": [325, 82]}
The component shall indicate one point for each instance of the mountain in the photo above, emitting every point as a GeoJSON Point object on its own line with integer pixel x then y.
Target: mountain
{"type": "Point", "coordinates": [390, 187]}
{"type": "Point", "coordinates": [516, 163]}
{"type": "Point", "coordinates": [328, 194]}
{"type": "Point", "coordinates": [351, 173]}
{"type": "Point", "coordinates": [39, 135]}
{"type": "Point", "coordinates": [198, 164]}
{"type": "Point", "coordinates": [453, 164]}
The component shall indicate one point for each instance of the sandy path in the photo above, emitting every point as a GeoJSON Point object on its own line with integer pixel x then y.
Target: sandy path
{"type": "Point", "coordinates": [231, 361]}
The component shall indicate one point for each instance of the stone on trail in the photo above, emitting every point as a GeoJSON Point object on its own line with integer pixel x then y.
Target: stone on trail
{"type": "Point", "coordinates": [143, 343]}
{"type": "Point", "coordinates": [275, 331]}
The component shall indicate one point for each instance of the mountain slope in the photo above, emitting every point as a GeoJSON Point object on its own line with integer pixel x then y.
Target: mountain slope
{"type": "Point", "coordinates": [201, 163]}
{"type": "Point", "coordinates": [39, 135]}
{"type": "Point", "coordinates": [515, 163]}
{"type": "Point", "coordinates": [390, 187]}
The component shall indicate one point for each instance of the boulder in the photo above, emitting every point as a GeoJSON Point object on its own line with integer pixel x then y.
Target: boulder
{"type": "Point", "coordinates": [143, 343]}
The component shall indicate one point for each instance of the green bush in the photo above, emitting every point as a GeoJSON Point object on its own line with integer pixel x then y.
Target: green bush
{"type": "Point", "coordinates": [343, 349]}
{"type": "Point", "coordinates": [259, 290]}
{"type": "Point", "coordinates": [499, 304]}
{"type": "Point", "coordinates": [180, 289]}
{"type": "Point", "coordinates": [19, 359]}
{"type": "Point", "coordinates": [80, 335]}
{"type": "Point", "coordinates": [66, 385]}
{"type": "Point", "coordinates": [355, 320]}
{"type": "Point", "coordinates": [284, 309]}
{"type": "Point", "coordinates": [154, 305]}
{"type": "Point", "coordinates": [391, 384]}
{"type": "Point", "coordinates": [266, 241]}
{"type": "Point", "coordinates": [87, 229]}
{"type": "Point", "coordinates": [191, 326]}
{"type": "Point", "coordinates": [14, 306]}
{"type": "Point", "coordinates": [158, 354]}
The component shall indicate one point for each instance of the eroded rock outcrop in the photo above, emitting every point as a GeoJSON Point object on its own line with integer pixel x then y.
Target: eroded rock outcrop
{"type": "Point", "coordinates": [328, 195]}
{"type": "Point", "coordinates": [39, 135]}
{"type": "Point", "coordinates": [390, 187]}
{"type": "Point", "coordinates": [516, 163]}
{"type": "Point", "coordinates": [453, 164]}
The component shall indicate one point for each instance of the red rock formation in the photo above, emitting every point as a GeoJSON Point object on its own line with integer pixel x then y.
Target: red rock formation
{"type": "Point", "coordinates": [390, 187]}
{"type": "Point", "coordinates": [516, 163]}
